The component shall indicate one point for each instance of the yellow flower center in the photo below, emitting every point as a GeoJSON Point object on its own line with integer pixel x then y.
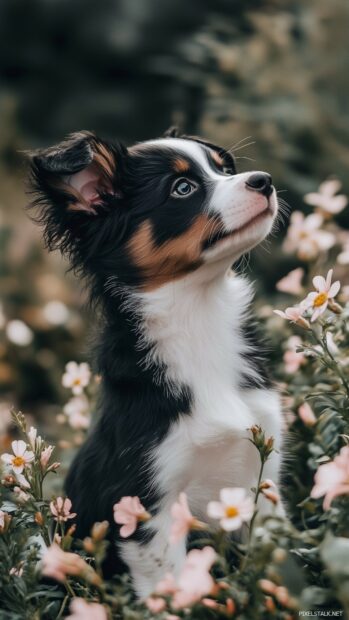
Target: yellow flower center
{"type": "Point", "coordinates": [320, 299]}
{"type": "Point", "coordinates": [77, 381]}
{"type": "Point", "coordinates": [231, 511]}
{"type": "Point", "coordinates": [17, 461]}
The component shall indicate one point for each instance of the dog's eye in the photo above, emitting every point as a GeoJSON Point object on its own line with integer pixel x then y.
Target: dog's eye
{"type": "Point", "coordinates": [183, 188]}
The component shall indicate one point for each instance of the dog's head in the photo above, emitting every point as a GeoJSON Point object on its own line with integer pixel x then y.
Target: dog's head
{"type": "Point", "coordinates": [151, 213]}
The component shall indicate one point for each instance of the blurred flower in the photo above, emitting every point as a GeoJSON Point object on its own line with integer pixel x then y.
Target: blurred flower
{"type": "Point", "coordinates": [293, 359]}
{"type": "Point", "coordinates": [128, 512]}
{"type": "Point", "coordinates": [55, 312]}
{"type": "Point", "coordinates": [22, 481]}
{"type": "Point", "coordinates": [325, 291]}
{"type": "Point", "coordinates": [271, 495]}
{"type": "Point", "coordinates": [17, 571]}
{"type": "Point", "coordinates": [60, 508]}
{"type": "Point", "coordinates": [81, 610]}
{"type": "Point", "coordinates": [307, 415]}
{"type": "Point", "coordinates": [57, 563]}
{"type": "Point", "coordinates": [343, 256]}
{"type": "Point", "coordinates": [195, 580]}
{"type": "Point", "coordinates": [76, 377]}
{"type": "Point", "coordinates": [19, 333]}
{"type": "Point", "coordinates": [183, 520]}
{"type": "Point", "coordinates": [305, 238]}
{"type": "Point", "coordinates": [77, 411]}
{"type": "Point", "coordinates": [155, 604]}
{"type": "Point", "coordinates": [234, 508]}
{"type": "Point", "coordinates": [292, 282]}
{"type": "Point", "coordinates": [325, 199]}
{"type": "Point", "coordinates": [5, 521]}
{"type": "Point", "coordinates": [46, 455]}
{"type": "Point", "coordinates": [295, 315]}
{"type": "Point", "coordinates": [20, 458]}
{"type": "Point", "coordinates": [167, 586]}
{"type": "Point", "coordinates": [332, 479]}
{"type": "Point", "coordinates": [21, 496]}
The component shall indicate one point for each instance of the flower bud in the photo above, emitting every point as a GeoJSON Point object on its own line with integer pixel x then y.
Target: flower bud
{"type": "Point", "coordinates": [99, 530]}
{"type": "Point", "coordinates": [335, 307]}
{"type": "Point", "coordinates": [38, 518]}
{"type": "Point", "coordinates": [89, 545]}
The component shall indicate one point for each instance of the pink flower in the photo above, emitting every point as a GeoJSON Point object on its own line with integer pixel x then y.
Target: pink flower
{"type": "Point", "coordinates": [305, 237]}
{"type": "Point", "coordinates": [325, 291]}
{"type": "Point", "coordinates": [307, 415]}
{"type": "Point", "coordinates": [294, 314]}
{"type": "Point", "coordinates": [127, 512]}
{"type": "Point", "coordinates": [155, 604]}
{"type": "Point", "coordinates": [167, 586]}
{"type": "Point", "coordinates": [46, 455]}
{"type": "Point", "coordinates": [57, 564]}
{"type": "Point", "coordinates": [20, 458]}
{"type": "Point", "coordinates": [81, 610]}
{"type": "Point", "coordinates": [2, 518]}
{"type": "Point", "coordinates": [325, 199]}
{"type": "Point", "coordinates": [293, 359]}
{"type": "Point", "coordinates": [195, 580]}
{"type": "Point", "coordinates": [234, 508]}
{"type": "Point", "coordinates": [76, 377]}
{"type": "Point", "coordinates": [17, 571]}
{"type": "Point", "coordinates": [292, 282]}
{"type": "Point", "coordinates": [183, 520]}
{"type": "Point", "coordinates": [60, 508]}
{"type": "Point", "coordinates": [332, 479]}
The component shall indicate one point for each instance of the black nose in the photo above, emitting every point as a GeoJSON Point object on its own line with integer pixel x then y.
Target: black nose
{"type": "Point", "coordinates": [260, 182]}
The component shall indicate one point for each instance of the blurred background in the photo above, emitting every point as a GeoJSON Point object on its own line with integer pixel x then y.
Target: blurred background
{"type": "Point", "coordinates": [273, 74]}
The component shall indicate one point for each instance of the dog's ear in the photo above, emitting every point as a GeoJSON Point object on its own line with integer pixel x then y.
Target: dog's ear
{"type": "Point", "coordinates": [74, 181]}
{"type": "Point", "coordinates": [171, 132]}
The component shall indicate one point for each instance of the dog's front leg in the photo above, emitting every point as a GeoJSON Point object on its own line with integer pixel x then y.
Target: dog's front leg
{"type": "Point", "coordinates": [149, 561]}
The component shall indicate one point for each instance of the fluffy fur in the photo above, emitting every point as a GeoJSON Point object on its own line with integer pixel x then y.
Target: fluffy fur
{"type": "Point", "coordinates": [155, 229]}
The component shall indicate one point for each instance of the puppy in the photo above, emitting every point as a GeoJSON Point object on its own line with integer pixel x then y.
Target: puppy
{"type": "Point", "coordinates": [155, 229]}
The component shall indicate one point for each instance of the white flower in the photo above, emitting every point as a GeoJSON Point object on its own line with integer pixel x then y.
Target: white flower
{"type": "Point", "coordinates": [325, 291]}
{"type": "Point", "coordinates": [56, 313]}
{"type": "Point", "coordinates": [76, 377]}
{"type": "Point", "coordinates": [77, 410]}
{"type": "Point", "coordinates": [19, 333]}
{"type": "Point", "coordinates": [20, 458]}
{"type": "Point", "coordinates": [304, 236]}
{"type": "Point", "coordinates": [234, 508]}
{"type": "Point", "coordinates": [325, 199]}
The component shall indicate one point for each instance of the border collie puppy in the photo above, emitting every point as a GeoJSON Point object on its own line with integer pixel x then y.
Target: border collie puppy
{"type": "Point", "coordinates": [155, 229]}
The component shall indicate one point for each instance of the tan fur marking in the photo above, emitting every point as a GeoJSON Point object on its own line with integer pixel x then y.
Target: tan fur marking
{"type": "Point", "coordinates": [172, 259]}
{"type": "Point", "coordinates": [181, 165]}
{"type": "Point", "coordinates": [217, 158]}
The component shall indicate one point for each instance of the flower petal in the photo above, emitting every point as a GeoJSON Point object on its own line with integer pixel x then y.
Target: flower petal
{"type": "Point", "coordinates": [19, 447]}
{"type": "Point", "coordinates": [334, 289]}
{"type": "Point", "coordinates": [319, 283]}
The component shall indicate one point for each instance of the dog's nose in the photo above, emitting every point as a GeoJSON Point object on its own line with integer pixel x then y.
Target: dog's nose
{"type": "Point", "coordinates": [260, 182]}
